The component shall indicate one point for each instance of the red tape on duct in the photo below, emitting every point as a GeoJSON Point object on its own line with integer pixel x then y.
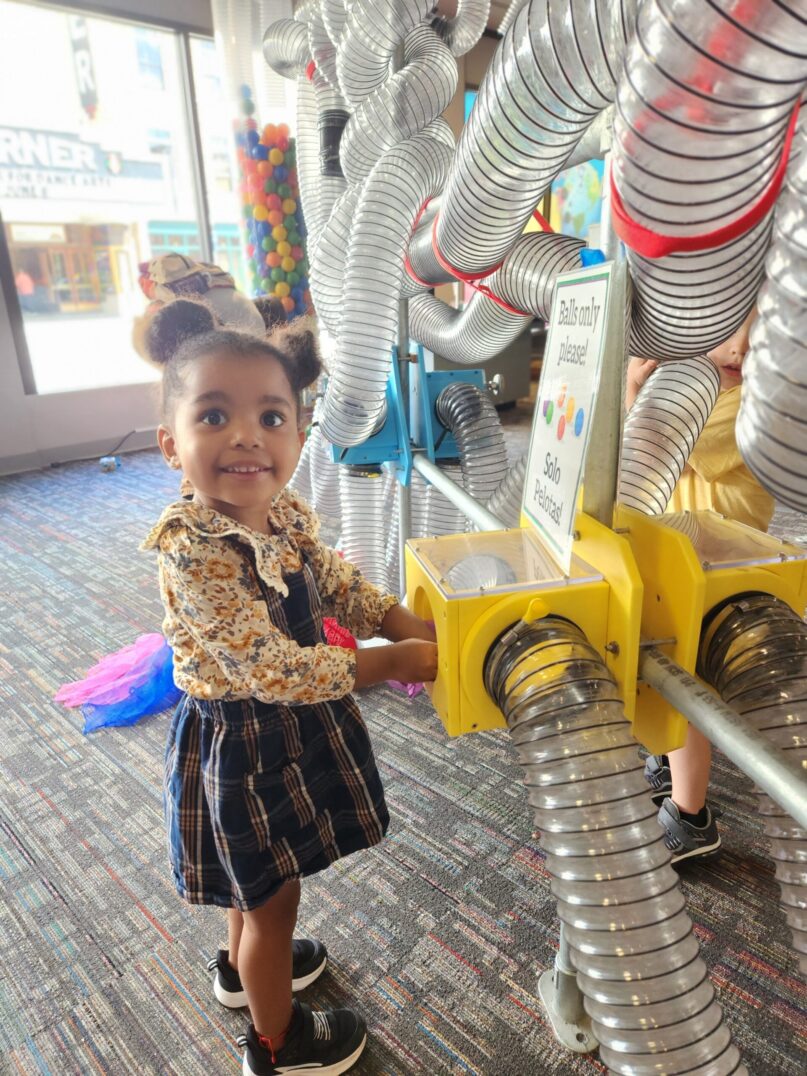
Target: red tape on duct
{"type": "Point", "coordinates": [652, 244]}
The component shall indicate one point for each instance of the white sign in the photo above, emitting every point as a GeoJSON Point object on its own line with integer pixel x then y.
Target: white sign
{"type": "Point", "coordinates": [570, 375]}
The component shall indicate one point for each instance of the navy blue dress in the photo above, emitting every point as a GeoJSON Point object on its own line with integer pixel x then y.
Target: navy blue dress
{"type": "Point", "coordinates": [257, 793]}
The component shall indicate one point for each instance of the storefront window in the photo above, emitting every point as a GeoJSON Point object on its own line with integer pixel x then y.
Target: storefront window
{"type": "Point", "coordinates": [95, 178]}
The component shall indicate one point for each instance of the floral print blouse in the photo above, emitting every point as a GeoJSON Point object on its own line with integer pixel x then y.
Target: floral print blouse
{"type": "Point", "coordinates": [225, 644]}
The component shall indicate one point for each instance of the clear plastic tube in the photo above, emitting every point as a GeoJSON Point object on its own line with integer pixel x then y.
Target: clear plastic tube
{"type": "Point", "coordinates": [645, 986]}
{"type": "Point", "coordinates": [754, 653]}
{"type": "Point", "coordinates": [772, 424]}
{"type": "Point", "coordinates": [505, 501]}
{"type": "Point", "coordinates": [364, 521]}
{"type": "Point", "coordinates": [698, 132]}
{"type": "Point", "coordinates": [661, 430]}
{"type": "Point", "coordinates": [470, 415]}
{"type": "Point", "coordinates": [463, 31]}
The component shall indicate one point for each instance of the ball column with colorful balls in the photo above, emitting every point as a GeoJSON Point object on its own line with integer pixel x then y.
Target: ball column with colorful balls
{"type": "Point", "coordinates": [275, 233]}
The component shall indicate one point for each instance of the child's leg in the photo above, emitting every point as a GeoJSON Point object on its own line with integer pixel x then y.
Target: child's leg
{"type": "Point", "coordinates": [264, 961]}
{"type": "Point", "coordinates": [689, 768]}
{"type": "Point", "coordinates": [235, 925]}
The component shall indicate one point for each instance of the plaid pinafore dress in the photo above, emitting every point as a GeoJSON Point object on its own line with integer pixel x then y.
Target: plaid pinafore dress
{"type": "Point", "coordinates": [260, 793]}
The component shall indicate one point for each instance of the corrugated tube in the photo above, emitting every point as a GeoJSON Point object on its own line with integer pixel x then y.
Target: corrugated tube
{"type": "Point", "coordinates": [652, 1006]}
{"type": "Point", "coordinates": [754, 652]}
{"type": "Point", "coordinates": [661, 430]}
{"type": "Point", "coordinates": [470, 415]}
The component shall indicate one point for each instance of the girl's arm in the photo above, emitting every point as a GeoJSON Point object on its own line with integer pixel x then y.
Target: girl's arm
{"type": "Point", "coordinates": [412, 661]}
{"type": "Point", "coordinates": [399, 623]}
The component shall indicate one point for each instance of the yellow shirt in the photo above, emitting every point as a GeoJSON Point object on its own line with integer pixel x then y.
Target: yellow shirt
{"type": "Point", "coordinates": [716, 476]}
{"type": "Point", "coordinates": [217, 615]}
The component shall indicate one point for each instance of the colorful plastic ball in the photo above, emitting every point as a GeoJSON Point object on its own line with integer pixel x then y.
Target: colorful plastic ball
{"type": "Point", "coordinates": [269, 187]}
{"type": "Point", "coordinates": [276, 156]}
{"type": "Point", "coordinates": [277, 274]}
{"type": "Point", "coordinates": [283, 130]}
{"type": "Point", "coordinates": [264, 169]}
{"type": "Point", "coordinates": [282, 289]}
{"type": "Point", "coordinates": [288, 264]}
{"type": "Point", "coordinates": [267, 243]}
{"type": "Point", "coordinates": [282, 144]}
{"type": "Point", "coordinates": [292, 277]}
{"type": "Point", "coordinates": [263, 229]}
{"type": "Point", "coordinates": [249, 166]}
{"type": "Point", "coordinates": [296, 291]}
{"type": "Point", "coordinates": [260, 212]}
{"type": "Point", "coordinates": [273, 259]}
{"type": "Point", "coordinates": [250, 250]}
{"type": "Point", "coordinates": [294, 237]}
{"type": "Point", "coordinates": [282, 175]}
{"type": "Point", "coordinates": [288, 303]}
{"type": "Point", "coordinates": [247, 107]}
{"type": "Point", "coordinates": [275, 217]}
{"type": "Point", "coordinates": [252, 139]}
{"type": "Point", "coordinates": [289, 206]}
{"type": "Point", "coordinates": [260, 153]}
{"type": "Point", "coordinates": [270, 134]}
{"type": "Point", "coordinates": [307, 297]}
{"type": "Point", "coordinates": [296, 251]}
{"type": "Point", "coordinates": [283, 189]}
{"type": "Point", "coordinates": [250, 124]}
{"type": "Point", "coordinates": [283, 248]}
{"type": "Point", "coordinates": [247, 211]}
{"type": "Point", "coordinates": [274, 201]}
{"type": "Point", "coordinates": [254, 181]}
{"type": "Point", "coordinates": [279, 232]}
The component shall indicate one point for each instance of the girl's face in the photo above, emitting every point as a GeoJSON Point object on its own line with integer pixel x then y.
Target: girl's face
{"type": "Point", "coordinates": [729, 356]}
{"type": "Point", "coordinates": [235, 434]}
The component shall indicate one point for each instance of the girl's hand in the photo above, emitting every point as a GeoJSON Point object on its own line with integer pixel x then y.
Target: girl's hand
{"type": "Point", "coordinates": [414, 661]}
{"type": "Point", "coordinates": [400, 623]}
{"type": "Point", "coordinates": [411, 661]}
{"type": "Point", "coordinates": [639, 370]}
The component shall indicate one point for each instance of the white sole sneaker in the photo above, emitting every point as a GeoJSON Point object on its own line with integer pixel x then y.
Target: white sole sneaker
{"type": "Point", "coordinates": [306, 1070]}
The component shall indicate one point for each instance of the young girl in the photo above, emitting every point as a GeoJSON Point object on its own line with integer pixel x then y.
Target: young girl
{"type": "Point", "coordinates": [269, 772]}
{"type": "Point", "coordinates": [715, 478]}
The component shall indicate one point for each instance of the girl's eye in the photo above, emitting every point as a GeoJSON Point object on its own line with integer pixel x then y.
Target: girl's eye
{"type": "Point", "coordinates": [213, 417]}
{"type": "Point", "coordinates": [272, 418]}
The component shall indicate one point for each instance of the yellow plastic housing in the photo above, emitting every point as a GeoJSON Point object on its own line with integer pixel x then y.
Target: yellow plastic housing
{"type": "Point", "coordinates": [690, 562]}
{"type": "Point", "coordinates": [474, 586]}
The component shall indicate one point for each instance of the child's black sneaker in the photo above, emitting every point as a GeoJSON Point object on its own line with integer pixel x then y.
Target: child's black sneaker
{"type": "Point", "coordinates": [308, 960]}
{"type": "Point", "coordinates": [688, 840]}
{"type": "Point", "coordinates": [658, 776]}
{"type": "Point", "coordinates": [325, 1043]}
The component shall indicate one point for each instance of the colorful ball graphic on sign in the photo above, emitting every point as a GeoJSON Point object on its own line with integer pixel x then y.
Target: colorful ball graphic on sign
{"type": "Point", "coordinates": [569, 415]}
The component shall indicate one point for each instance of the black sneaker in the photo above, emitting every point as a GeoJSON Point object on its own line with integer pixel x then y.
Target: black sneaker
{"type": "Point", "coordinates": [658, 776]}
{"type": "Point", "coordinates": [327, 1043]}
{"type": "Point", "coordinates": [685, 840]}
{"type": "Point", "coordinates": [308, 960]}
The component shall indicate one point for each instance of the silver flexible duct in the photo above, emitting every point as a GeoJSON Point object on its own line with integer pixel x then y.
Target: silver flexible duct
{"type": "Point", "coordinates": [411, 98]}
{"type": "Point", "coordinates": [754, 652]}
{"type": "Point", "coordinates": [553, 73]}
{"type": "Point", "coordinates": [395, 190]}
{"type": "Point", "coordinates": [698, 134]}
{"type": "Point", "coordinates": [646, 989]}
{"type": "Point", "coordinates": [505, 502]}
{"type": "Point", "coordinates": [369, 40]}
{"type": "Point", "coordinates": [286, 48]}
{"type": "Point", "coordinates": [526, 281]}
{"type": "Point", "coordinates": [463, 31]}
{"type": "Point", "coordinates": [509, 16]}
{"type": "Point", "coordinates": [324, 477]}
{"type": "Point", "coordinates": [327, 270]}
{"type": "Point", "coordinates": [469, 414]}
{"type": "Point", "coordinates": [364, 521]}
{"type": "Point", "coordinates": [661, 430]}
{"type": "Point", "coordinates": [772, 424]}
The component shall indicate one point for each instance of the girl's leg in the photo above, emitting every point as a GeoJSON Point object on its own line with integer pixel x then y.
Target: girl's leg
{"type": "Point", "coordinates": [264, 961]}
{"type": "Point", "coordinates": [689, 768]}
{"type": "Point", "coordinates": [235, 925]}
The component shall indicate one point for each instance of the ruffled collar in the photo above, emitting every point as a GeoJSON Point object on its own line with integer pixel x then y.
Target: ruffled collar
{"type": "Point", "coordinates": [275, 553]}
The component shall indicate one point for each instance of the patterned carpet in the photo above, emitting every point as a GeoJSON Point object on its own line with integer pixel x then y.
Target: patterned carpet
{"type": "Point", "coordinates": [438, 935]}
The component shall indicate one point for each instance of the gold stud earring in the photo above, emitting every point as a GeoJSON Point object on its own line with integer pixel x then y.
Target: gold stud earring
{"type": "Point", "coordinates": [174, 462]}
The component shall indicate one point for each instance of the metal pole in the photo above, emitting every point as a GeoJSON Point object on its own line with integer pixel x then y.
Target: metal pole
{"type": "Point", "coordinates": [197, 169]}
{"type": "Point", "coordinates": [782, 778]}
{"type": "Point", "coordinates": [473, 510]}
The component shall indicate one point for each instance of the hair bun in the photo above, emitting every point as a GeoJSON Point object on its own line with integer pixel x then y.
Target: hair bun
{"type": "Point", "coordinates": [271, 310]}
{"type": "Point", "coordinates": [175, 323]}
{"type": "Point", "coordinates": [299, 343]}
